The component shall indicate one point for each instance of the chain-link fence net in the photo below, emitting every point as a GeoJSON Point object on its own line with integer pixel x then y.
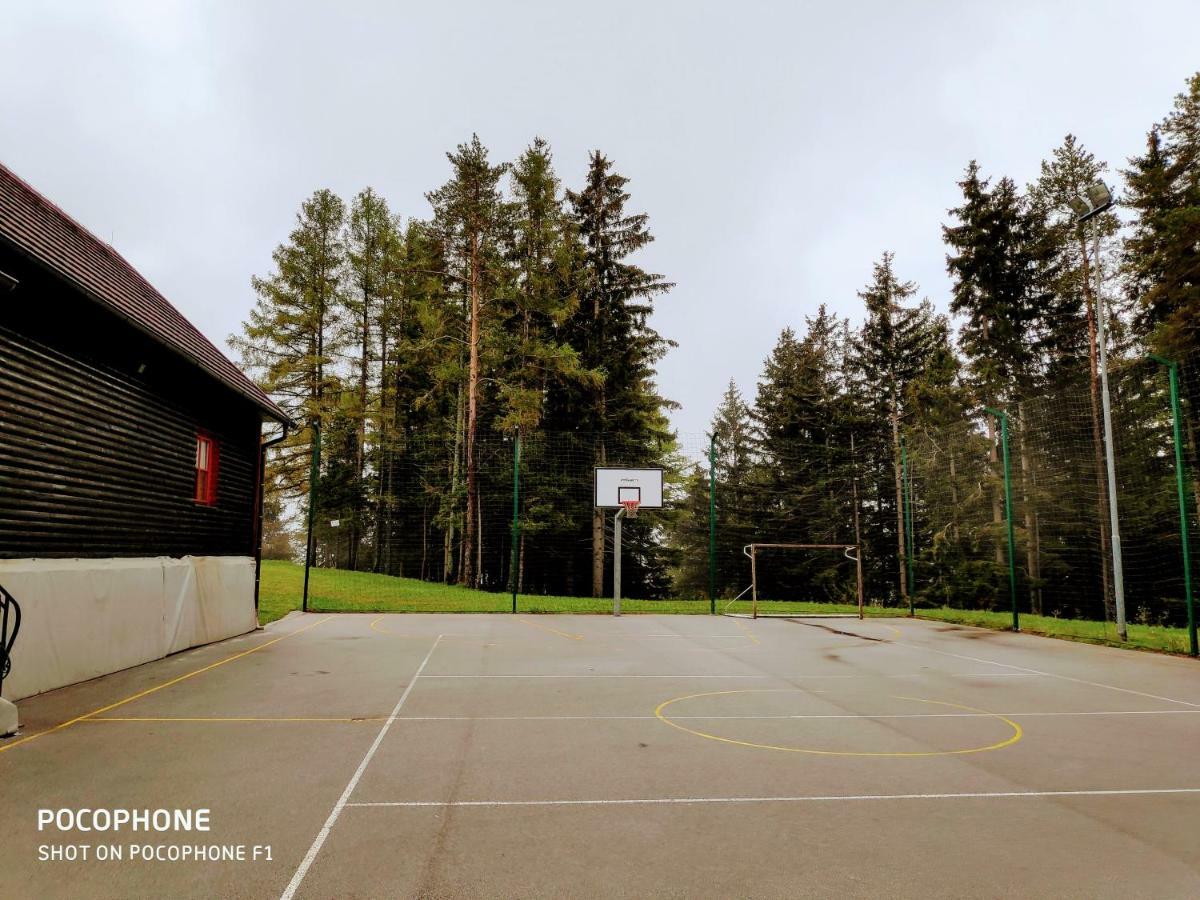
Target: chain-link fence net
{"type": "Point", "coordinates": [445, 524]}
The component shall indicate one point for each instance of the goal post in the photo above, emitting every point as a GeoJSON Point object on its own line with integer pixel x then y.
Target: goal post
{"type": "Point", "coordinates": [849, 551]}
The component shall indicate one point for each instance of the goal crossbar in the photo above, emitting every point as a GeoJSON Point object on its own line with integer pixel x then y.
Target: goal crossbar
{"type": "Point", "coordinates": [751, 550]}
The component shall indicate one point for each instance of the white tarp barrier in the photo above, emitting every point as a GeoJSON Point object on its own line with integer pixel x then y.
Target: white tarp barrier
{"type": "Point", "coordinates": [82, 618]}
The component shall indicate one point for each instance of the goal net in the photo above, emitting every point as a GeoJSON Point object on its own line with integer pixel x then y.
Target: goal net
{"type": "Point", "coordinates": [791, 580]}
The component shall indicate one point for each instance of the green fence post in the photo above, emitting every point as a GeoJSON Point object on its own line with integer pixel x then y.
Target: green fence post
{"type": "Point", "coordinates": [712, 525]}
{"type": "Point", "coordinates": [1181, 490]}
{"type": "Point", "coordinates": [314, 478]}
{"type": "Point", "coordinates": [516, 520]}
{"type": "Point", "coordinates": [906, 515]}
{"type": "Point", "coordinates": [1008, 513]}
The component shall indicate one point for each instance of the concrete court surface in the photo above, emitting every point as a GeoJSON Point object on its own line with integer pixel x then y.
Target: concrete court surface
{"type": "Point", "coordinates": [664, 756]}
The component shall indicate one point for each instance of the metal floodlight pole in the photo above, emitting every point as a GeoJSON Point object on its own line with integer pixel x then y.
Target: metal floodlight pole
{"type": "Point", "coordinates": [1181, 491]}
{"type": "Point", "coordinates": [1109, 453]}
{"type": "Point", "coordinates": [906, 514]}
{"type": "Point", "coordinates": [1008, 513]}
{"type": "Point", "coordinates": [516, 519]}
{"type": "Point", "coordinates": [617, 561]}
{"type": "Point", "coordinates": [712, 525]}
{"type": "Point", "coordinates": [1099, 199]}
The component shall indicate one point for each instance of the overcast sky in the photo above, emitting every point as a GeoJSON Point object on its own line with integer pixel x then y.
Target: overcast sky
{"type": "Point", "coordinates": [779, 148]}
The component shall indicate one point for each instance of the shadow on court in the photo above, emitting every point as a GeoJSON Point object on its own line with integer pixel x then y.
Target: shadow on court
{"type": "Point", "coordinates": [471, 756]}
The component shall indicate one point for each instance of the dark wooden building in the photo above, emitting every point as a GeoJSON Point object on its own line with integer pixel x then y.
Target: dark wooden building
{"type": "Point", "coordinates": [124, 433]}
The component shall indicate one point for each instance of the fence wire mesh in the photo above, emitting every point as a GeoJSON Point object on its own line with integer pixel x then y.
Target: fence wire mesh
{"type": "Point", "coordinates": [433, 524]}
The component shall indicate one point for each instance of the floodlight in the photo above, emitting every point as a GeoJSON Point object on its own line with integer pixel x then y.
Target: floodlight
{"type": "Point", "coordinates": [1100, 196]}
{"type": "Point", "coordinates": [1079, 207]}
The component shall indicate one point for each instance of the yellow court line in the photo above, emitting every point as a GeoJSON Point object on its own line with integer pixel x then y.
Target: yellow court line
{"type": "Point", "coordinates": [566, 634]}
{"type": "Point", "coordinates": [159, 687]}
{"type": "Point", "coordinates": [237, 719]}
{"type": "Point", "coordinates": [746, 628]}
{"type": "Point", "coordinates": [380, 629]}
{"type": "Point", "coordinates": [1017, 734]}
{"type": "Point", "coordinates": [893, 629]}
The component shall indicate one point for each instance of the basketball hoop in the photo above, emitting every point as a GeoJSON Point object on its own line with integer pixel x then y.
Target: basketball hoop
{"type": "Point", "coordinates": [631, 508]}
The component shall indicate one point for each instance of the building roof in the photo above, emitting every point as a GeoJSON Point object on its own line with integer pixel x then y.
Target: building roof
{"type": "Point", "coordinates": [42, 231]}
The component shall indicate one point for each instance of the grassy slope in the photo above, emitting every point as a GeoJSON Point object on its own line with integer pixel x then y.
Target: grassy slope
{"type": "Point", "coordinates": [337, 590]}
{"type": "Point", "coordinates": [1141, 637]}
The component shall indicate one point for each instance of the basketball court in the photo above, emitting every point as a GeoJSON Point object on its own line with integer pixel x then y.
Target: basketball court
{"type": "Point", "coordinates": [476, 755]}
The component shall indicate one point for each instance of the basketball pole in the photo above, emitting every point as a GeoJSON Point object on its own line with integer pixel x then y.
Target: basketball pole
{"type": "Point", "coordinates": [617, 561]}
{"type": "Point", "coordinates": [712, 524]}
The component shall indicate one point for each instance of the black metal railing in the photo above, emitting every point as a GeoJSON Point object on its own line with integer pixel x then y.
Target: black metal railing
{"type": "Point", "coordinates": [10, 615]}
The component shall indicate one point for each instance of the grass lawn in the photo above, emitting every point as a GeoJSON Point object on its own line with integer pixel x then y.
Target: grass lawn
{"type": "Point", "coordinates": [1141, 637]}
{"type": "Point", "coordinates": [338, 590]}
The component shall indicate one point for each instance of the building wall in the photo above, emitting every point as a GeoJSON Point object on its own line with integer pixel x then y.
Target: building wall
{"type": "Point", "coordinates": [82, 618]}
{"type": "Point", "coordinates": [97, 436]}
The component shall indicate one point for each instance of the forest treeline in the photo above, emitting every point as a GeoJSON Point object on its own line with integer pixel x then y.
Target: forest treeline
{"type": "Point", "coordinates": [414, 352]}
{"type": "Point", "coordinates": [411, 351]}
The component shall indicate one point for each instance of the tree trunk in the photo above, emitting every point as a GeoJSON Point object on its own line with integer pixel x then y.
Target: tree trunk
{"type": "Point", "coordinates": [521, 566]}
{"type": "Point", "coordinates": [469, 575]}
{"type": "Point", "coordinates": [382, 500]}
{"type": "Point", "coordinates": [997, 503]}
{"type": "Point", "coordinates": [424, 539]}
{"type": "Point", "coordinates": [455, 474]}
{"type": "Point", "coordinates": [954, 499]}
{"type": "Point", "coordinates": [598, 536]}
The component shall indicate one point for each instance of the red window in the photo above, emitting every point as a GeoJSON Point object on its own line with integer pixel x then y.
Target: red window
{"type": "Point", "coordinates": [206, 470]}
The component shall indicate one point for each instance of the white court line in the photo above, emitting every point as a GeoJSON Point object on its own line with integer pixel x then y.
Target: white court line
{"type": "Point", "coordinates": [648, 801]}
{"type": "Point", "coordinates": [1017, 715]}
{"type": "Point", "coordinates": [311, 855]}
{"type": "Point", "coordinates": [776, 677]}
{"type": "Point", "coordinates": [1025, 670]}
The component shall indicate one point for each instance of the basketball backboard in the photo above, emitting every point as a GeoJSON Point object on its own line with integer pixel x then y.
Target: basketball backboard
{"type": "Point", "coordinates": [614, 486]}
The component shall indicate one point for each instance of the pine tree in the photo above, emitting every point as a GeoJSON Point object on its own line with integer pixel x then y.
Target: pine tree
{"type": "Point", "coordinates": [370, 245]}
{"type": "Point", "coordinates": [291, 337]}
{"type": "Point", "coordinates": [469, 217]}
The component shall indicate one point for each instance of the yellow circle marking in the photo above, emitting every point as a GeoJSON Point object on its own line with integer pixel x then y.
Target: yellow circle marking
{"type": "Point", "coordinates": [1017, 734]}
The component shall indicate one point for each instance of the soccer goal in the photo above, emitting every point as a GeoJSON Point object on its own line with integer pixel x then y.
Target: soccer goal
{"type": "Point", "coordinates": [804, 572]}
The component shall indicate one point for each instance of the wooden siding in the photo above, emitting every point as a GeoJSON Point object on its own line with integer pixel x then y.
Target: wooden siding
{"type": "Point", "coordinates": [97, 438]}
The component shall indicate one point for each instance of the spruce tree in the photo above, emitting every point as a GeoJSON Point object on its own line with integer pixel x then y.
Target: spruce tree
{"type": "Point", "coordinates": [1162, 253]}
{"type": "Point", "coordinates": [543, 256]}
{"type": "Point", "coordinates": [890, 350]}
{"type": "Point", "coordinates": [612, 335]}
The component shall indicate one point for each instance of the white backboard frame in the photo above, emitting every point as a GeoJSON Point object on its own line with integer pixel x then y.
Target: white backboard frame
{"type": "Point", "coordinates": [611, 484]}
